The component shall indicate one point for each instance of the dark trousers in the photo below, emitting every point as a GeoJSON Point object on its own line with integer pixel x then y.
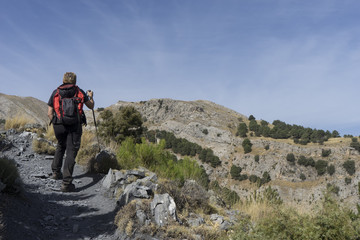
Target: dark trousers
{"type": "Point", "coordinates": [69, 139]}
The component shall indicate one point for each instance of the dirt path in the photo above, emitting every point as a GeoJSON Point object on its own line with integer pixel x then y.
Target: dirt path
{"type": "Point", "coordinates": [41, 213]}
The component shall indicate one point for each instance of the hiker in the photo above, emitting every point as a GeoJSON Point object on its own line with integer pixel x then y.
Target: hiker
{"type": "Point", "coordinates": [65, 111]}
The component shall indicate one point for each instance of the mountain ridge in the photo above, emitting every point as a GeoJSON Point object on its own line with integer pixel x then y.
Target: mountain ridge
{"type": "Point", "coordinates": [213, 126]}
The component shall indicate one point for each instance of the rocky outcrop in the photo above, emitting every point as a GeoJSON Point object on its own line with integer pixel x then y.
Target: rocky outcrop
{"type": "Point", "coordinates": [163, 208]}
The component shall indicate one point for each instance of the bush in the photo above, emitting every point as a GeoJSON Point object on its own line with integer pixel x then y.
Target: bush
{"type": "Point", "coordinates": [290, 157]}
{"type": "Point", "coordinates": [347, 181]}
{"type": "Point", "coordinates": [349, 166]}
{"type": "Point", "coordinates": [247, 145]}
{"type": "Point", "coordinates": [321, 167]}
{"type": "Point", "coordinates": [8, 174]}
{"type": "Point", "coordinates": [235, 171]}
{"type": "Point", "coordinates": [253, 178]}
{"type": "Point", "coordinates": [330, 222]}
{"type": "Point", "coordinates": [205, 131]}
{"type": "Point", "coordinates": [153, 156]}
{"type": "Point", "coordinates": [257, 158]}
{"type": "Point", "coordinates": [228, 196]}
{"type": "Point", "coordinates": [325, 152]}
{"type": "Point", "coordinates": [242, 130]}
{"type": "Point", "coordinates": [127, 122]}
{"type": "Point", "coordinates": [302, 177]}
{"type": "Point", "coordinates": [331, 169]}
{"type": "Point", "coordinates": [184, 147]}
{"type": "Point", "coordinates": [306, 161]}
{"type": "Point", "coordinates": [267, 147]}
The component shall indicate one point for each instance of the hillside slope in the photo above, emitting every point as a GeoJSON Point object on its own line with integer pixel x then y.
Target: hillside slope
{"type": "Point", "coordinates": [214, 126]}
{"type": "Point", "coordinates": [32, 108]}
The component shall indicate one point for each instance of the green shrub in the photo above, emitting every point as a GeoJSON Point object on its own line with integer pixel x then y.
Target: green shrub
{"type": "Point", "coordinates": [235, 171]}
{"type": "Point", "coordinates": [332, 188]}
{"type": "Point", "coordinates": [306, 161]}
{"type": "Point", "coordinates": [228, 196]}
{"type": "Point", "coordinates": [331, 169]}
{"type": "Point", "coordinates": [321, 167]}
{"type": "Point", "coordinates": [184, 147]}
{"type": "Point", "coordinates": [205, 131]}
{"type": "Point", "coordinates": [349, 166]}
{"type": "Point", "coordinates": [267, 147]}
{"type": "Point", "coordinates": [257, 158]}
{"type": "Point", "coordinates": [253, 178]}
{"type": "Point", "coordinates": [127, 122]}
{"type": "Point", "coordinates": [247, 145]}
{"type": "Point", "coordinates": [290, 157]}
{"type": "Point", "coordinates": [153, 156]}
{"type": "Point", "coordinates": [242, 130]}
{"type": "Point", "coordinates": [302, 177]}
{"type": "Point", "coordinates": [330, 222]}
{"type": "Point", "coordinates": [325, 152]}
{"type": "Point", "coordinates": [8, 173]}
{"type": "Point", "coordinates": [265, 178]}
{"type": "Point", "coordinates": [347, 181]}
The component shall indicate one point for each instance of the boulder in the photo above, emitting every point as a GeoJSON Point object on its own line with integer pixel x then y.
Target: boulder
{"type": "Point", "coordinates": [109, 179]}
{"type": "Point", "coordinates": [163, 208]}
{"type": "Point", "coordinates": [103, 161]}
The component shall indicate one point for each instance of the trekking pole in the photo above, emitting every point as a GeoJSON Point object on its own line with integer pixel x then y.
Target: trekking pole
{"type": "Point", "coordinates": [97, 136]}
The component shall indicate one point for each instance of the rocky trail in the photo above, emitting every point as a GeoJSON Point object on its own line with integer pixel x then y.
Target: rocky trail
{"type": "Point", "coordinates": [38, 212]}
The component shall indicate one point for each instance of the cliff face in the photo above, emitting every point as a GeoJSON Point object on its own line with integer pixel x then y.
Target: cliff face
{"type": "Point", "coordinates": [214, 126]}
{"type": "Point", "coordinates": [29, 107]}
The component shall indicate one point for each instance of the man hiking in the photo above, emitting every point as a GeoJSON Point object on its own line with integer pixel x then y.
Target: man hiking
{"type": "Point", "coordinates": [65, 111]}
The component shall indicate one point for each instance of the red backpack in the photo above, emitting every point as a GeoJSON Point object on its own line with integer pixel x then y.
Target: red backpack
{"type": "Point", "coordinates": [68, 109]}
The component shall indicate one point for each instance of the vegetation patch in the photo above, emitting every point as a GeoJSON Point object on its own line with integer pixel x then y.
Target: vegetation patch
{"type": "Point", "coordinates": [153, 156]}
{"type": "Point", "coordinates": [8, 173]}
{"type": "Point", "coordinates": [330, 222]}
{"type": "Point", "coordinates": [42, 146]}
{"type": "Point", "coordinates": [349, 166]}
{"type": "Point", "coordinates": [184, 147]}
{"type": "Point", "coordinates": [18, 123]}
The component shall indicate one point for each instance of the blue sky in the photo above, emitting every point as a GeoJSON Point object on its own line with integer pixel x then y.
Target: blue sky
{"type": "Point", "coordinates": [293, 60]}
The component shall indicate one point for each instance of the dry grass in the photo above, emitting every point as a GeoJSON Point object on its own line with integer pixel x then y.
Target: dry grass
{"type": "Point", "coordinates": [43, 147]}
{"type": "Point", "coordinates": [256, 210]}
{"type": "Point", "coordinates": [18, 122]}
{"type": "Point", "coordinates": [50, 134]}
{"type": "Point", "coordinates": [88, 148]}
{"type": "Point", "coordinates": [125, 217]}
{"type": "Point", "coordinates": [296, 185]}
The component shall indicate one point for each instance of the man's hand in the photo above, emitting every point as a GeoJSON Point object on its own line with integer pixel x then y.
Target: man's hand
{"type": "Point", "coordinates": [90, 94]}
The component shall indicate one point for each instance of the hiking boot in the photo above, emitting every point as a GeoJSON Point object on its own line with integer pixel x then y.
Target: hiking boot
{"type": "Point", "coordinates": [56, 176]}
{"type": "Point", "coordinates": [67, 187]}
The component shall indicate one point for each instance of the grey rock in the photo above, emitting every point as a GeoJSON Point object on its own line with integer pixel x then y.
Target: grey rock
{"type": "Point", "coordinates": [136, 173]}
{"type": "Point", "coordinates": [217, 218]}
{"type": "Point", "coordinates": [108, 180]}
{"type": "Point", "coordinates": [133, 191]}
{"type": "Point", "coordinates": [119, 175]}
{"type": "Point", "coordinates": [226, 225]}
{"type": "Point", "coordinates": [195, 220]}
{"type": "Point", "coordinates": [141, 216]}
{"type": "Point", "coordinates": [163, 207]}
